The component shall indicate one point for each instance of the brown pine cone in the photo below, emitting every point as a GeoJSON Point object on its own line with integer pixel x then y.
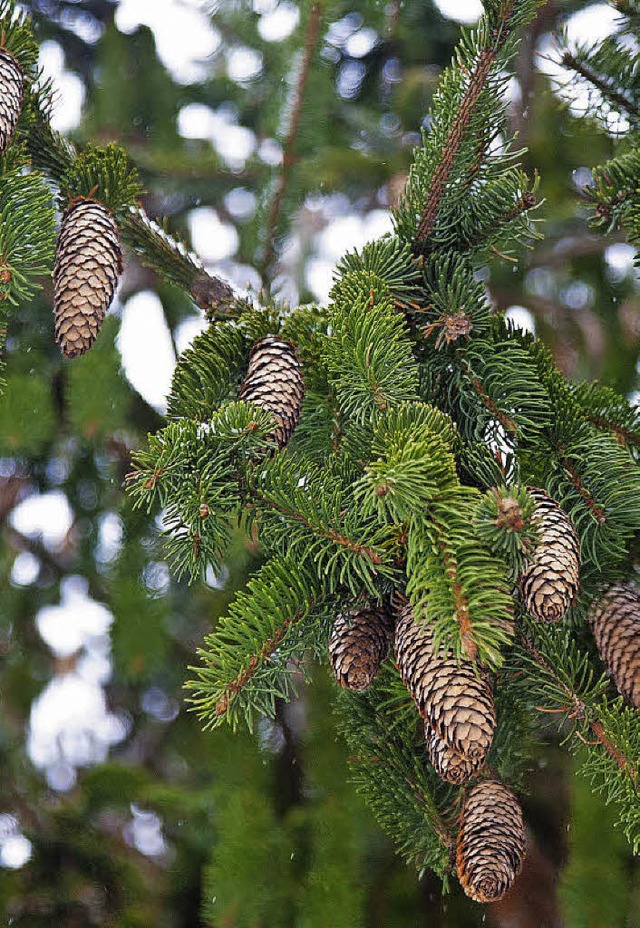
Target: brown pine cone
{"type": "Point", "coordinates": [450, 765]}
{"type": "Point", "coordinates": [549, 582]}
{"type": "Point", "coordinates": [11, 95]}
{"type": "Point", "coordinates": [454, 698]}
{"type": "Point", "coordinates": [85, 274]}
{"type": "Point", "coordinates": [615, 621]}
{"type": "Point", "coordinates": [274, 382]}
{"type": "Point", "coordinates": [491, 842]}
{"type": "Point", "coordinates": [359, 643]}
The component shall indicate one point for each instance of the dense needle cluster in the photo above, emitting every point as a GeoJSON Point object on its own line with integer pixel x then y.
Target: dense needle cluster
{"type": "Point", "coordinates": [87, 267]}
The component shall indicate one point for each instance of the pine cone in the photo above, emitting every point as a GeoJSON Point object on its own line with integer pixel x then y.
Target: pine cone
{"type": "Point", "coordinates": [615, 621]}
{"type": "Point", "coordinates": [359, 643]}
{"type": "Point", "coordinates": [274, 381]}
{"type": "Point", "coordinates": [447, 763]}
{"type": "Point", "coordinates": [85, 275]}
{"type": "Point", "coordinates": [454, 698]}
{"type": "Point", "coordinates": [11, 94]}
{"type": "Point", "coordinates": [491, 842]}
{"type": "Point", "coordinates": [549, 583]}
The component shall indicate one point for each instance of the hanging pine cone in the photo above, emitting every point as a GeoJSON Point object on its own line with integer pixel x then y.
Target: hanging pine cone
{"type": "Point", "coordinates": [450, 765]}
{"type": "Point", "coordinates": [491, 842]}
{"type": "Point", "coordinates": [615, 621]}
{"type": "Point", "coordinates": [549, 583]}
{"type": "Point", "coordinates": [274, 381]}
{"type": "Point", "coordinates": [454, 698]}
{"type": "Point", "coordinates": [11, 94]}
{"type": "Point", "coordinates": [85, 275]}
{"type": "Point", "coordinates": [359, 643]}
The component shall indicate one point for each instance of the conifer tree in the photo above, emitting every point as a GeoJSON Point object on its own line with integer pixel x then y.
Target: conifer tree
{"type": "Point", "coordinates": [405, 457]}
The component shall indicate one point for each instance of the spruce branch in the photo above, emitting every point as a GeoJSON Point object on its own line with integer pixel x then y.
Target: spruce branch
{"type": "Point", "coordinates": [476, 84]}
{"type": "Point", "coordinates": [253, 656]}
{"type": "Point", "coordinates": [289, 148]}
{"type": "Point", "coordinates": [574, 694]}
{"type": "Point", "coordinates": [604, 83]}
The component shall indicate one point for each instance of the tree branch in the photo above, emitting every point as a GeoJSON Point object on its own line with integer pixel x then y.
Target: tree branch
{"type": "Point", "coordinates": [288, 155]}
{"type": "Point", "coordinates": [611, 93]}
{"type": "Point", "coordinates": [477, 81]}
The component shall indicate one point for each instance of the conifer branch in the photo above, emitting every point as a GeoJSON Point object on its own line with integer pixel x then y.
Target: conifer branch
{"type": "Point", "coordinates": [577, 709]}
{"type": "Point", "coordinates": [594, 507]}
{"type": "Point", "coordinates": [526, 202]}
{"type": "Point", "coordinates": [505, 421]}
{"type": "Point", "coordinates": [288, 154]}
{"type": "Point", "coordinates": [613, 94]}
{"type": "Point", "coordinates": [258, 659]}
{"type": "Point", "coordinates": [622, 434]}
{"type": "Point", "coordinates": [331, 534]}
{"type": "Point", "coordinates": [477, 82]}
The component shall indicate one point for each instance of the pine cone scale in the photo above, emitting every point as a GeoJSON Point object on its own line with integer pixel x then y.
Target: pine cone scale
{"type": "Point", "coordinates": [549, 583]}
{"type": "Point", "coordinates": [454, 699]}
{"type": "Point", "coordinates": [615, 622]}
{"type": "Point", "coordinates": [11, 96]}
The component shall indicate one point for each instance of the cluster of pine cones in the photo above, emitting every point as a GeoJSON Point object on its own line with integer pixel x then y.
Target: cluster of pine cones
{"type": "Point", "coordinates": [455, 699]}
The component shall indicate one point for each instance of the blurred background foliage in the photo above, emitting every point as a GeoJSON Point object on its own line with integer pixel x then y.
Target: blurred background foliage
{"type": "Point", "coordinates": [115, 808]}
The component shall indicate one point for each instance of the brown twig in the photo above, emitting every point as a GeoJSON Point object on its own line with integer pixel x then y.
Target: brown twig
{"type": "Point", "coordinates": [622, 435]}
{"type": "Point", "coordinates": [461, 606]}
{"type": "Point", "coordinates": [288, 155]}
{"type": "Point", "coordinates": [505, 421]}
{"type": "Point", "coordinates": [477, 81]}
{"type": "Point", "coordinates": [596, 510]}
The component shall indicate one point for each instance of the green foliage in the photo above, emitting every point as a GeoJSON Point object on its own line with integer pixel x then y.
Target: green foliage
{"type": "Point", "coordinates": [255, 653]}
{"type": "Point", "coordinates": [482, 196]}
{"type": "Point", "coordinates": [561, 680]}
{"type": "Point", "coordinates": [16, 35]}
{"type": "Point", "coordinates": [27, 416]}
{"type": "Point", "coordinates": [96, 393]}
{"type": "Point", "coordinates": [104, 174]}
{"type": "Point", "coordinates": [611, 412]}
{"type": "Point", "coordinates": [192, 469]}
{"type": "Point", "coordinates": [388, 766]}
{"type": "Point", "coordinates": [369, 358]}
{"type": "Point", "coordinates": [455, 583]}
{"type": "Point", "coordinates": [386, 265]}
{"type": "Point", "coordinates": [505, 524]}
{"type": "Point", "coordinates": [27, 228]}
{"type": "Point", "coordinates": [314, 518]}
{"type": "Point", "coordinates": [412, 462]}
